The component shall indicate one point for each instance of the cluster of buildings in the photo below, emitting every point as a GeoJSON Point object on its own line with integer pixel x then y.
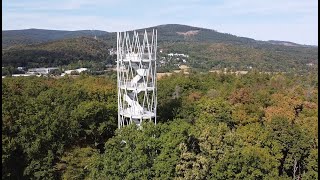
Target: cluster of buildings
{"type": "Point", "coordinates": [41, 71]}
{"type": "Point", "coordinates": [74, 70]}
{"type": "Point", "coordinates": [176, 54]}
{"type": "Point", "coordinates": [173, 58]}
{"type": "Point", "coordinates": [44, 71]}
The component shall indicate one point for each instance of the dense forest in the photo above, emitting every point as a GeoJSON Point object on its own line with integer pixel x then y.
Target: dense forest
{"type": "Point", "coordinates": [209, 126]}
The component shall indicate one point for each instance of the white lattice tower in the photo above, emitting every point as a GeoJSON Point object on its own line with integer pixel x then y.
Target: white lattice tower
{"type": "Point", "coordinates": [136, 72]}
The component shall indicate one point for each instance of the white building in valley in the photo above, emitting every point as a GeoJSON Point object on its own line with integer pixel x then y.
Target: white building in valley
{"type": "Point", "coordinates": [74, 70]}
{"type": "Point", "coordinates": [42, 71]}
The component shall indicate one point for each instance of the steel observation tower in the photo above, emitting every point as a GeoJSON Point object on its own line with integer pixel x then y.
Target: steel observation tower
{"type": "Point", "coordinates": [136, 74]}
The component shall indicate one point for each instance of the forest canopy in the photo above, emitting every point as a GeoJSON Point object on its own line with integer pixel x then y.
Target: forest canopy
{"type": "Point", "coordinates": [209, 126]}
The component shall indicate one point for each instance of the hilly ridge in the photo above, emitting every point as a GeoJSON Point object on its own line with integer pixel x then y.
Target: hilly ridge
{"type": "Point", "coordinates": [176, 32]}
{"type": "Point", "coordinates": [208, 49]}
{"type": "Point", "coordinates": [166, 32]}
{"type": "Point", "coordinates": [33, 36]}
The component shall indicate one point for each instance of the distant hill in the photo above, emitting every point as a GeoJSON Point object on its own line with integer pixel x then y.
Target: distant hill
{"type": "Point", "coordinates": [55, 53]}
{"type": "Point", "coordinates": [184, 33]}
{"type": "Point", "coordinates": [166, 33]}
{"type": "Point", "coordinates": [208, 56]}
{"type": "Point", "coordinates": [33, 36]}
{"type": "Point", "coordinates": [285, 43]}
{"type": "Point", "coordinates": [207, 48]}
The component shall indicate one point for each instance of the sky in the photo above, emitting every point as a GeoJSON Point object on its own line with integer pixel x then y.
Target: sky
{"type": "Point", "coordinates": [287, 20]}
